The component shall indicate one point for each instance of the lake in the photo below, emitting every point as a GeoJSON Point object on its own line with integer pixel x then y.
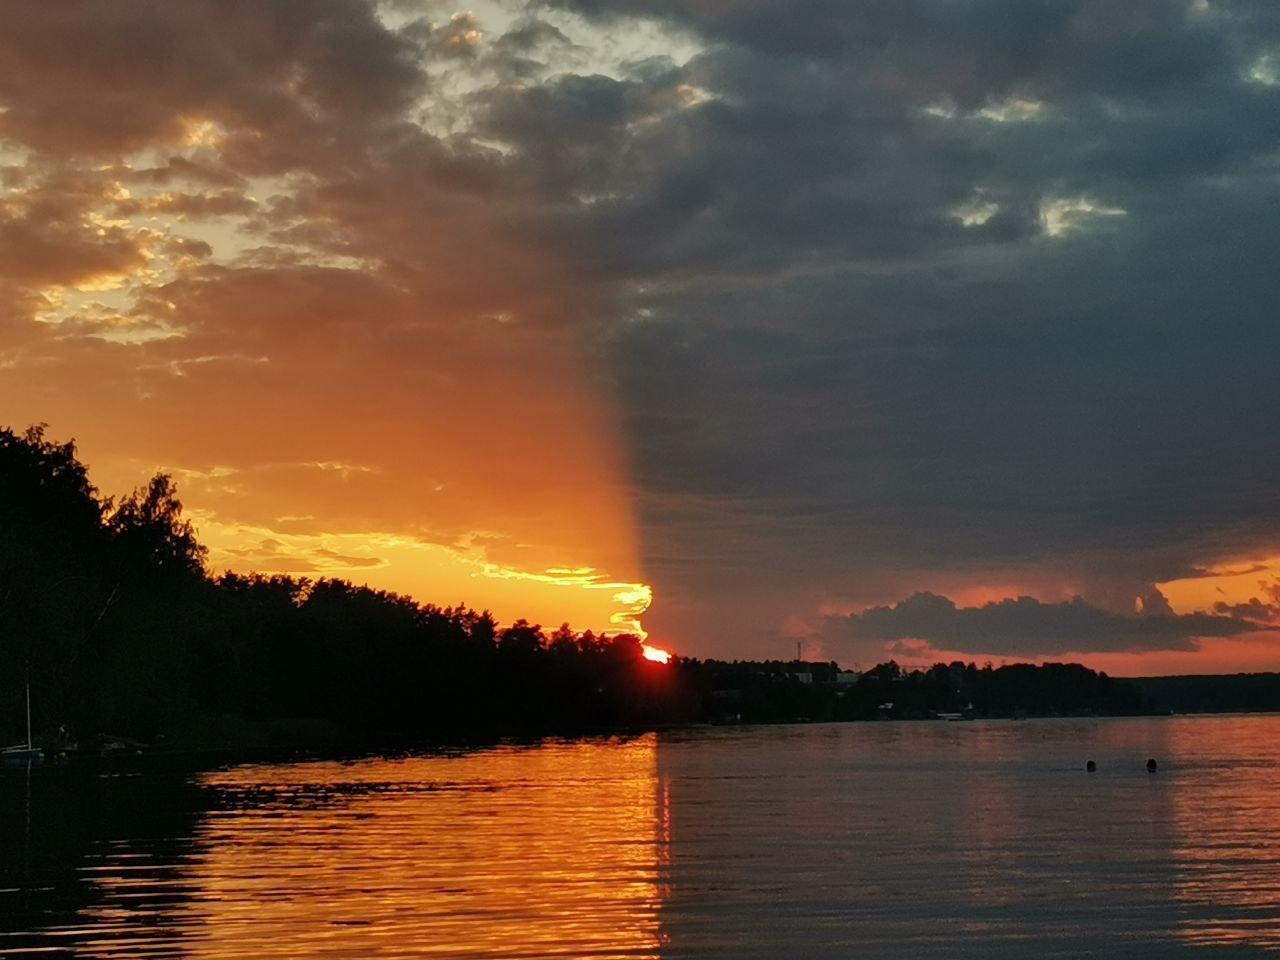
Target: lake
{"type": "Point", "coordinates": [911, 839]}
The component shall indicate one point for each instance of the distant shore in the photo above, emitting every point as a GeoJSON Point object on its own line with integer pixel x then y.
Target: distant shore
{"type": "Point", "coordinates": [229, 740]}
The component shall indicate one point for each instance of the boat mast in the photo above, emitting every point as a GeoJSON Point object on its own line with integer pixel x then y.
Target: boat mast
{"type": "Point", "coordinates": [28, 712]}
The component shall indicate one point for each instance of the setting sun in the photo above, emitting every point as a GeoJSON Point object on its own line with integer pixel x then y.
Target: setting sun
{"type": "Point", "coordinates": [656, 655]}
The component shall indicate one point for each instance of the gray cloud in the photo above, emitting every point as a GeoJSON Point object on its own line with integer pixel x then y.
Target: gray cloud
{"type": "Point", "coordinates": [1265, 610]}
{"type": "Point", "coordinates": [1026, 627]}
{"type": "Point", "coordinates": [92, 77]}
{"type": "Point", "coordinates": [838, 379]}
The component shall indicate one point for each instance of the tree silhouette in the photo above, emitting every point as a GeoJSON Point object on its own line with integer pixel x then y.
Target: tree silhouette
{"type": "Point", "coordinates": [150, 531]}
{"type": "Point", "coordinates": [109, 609]}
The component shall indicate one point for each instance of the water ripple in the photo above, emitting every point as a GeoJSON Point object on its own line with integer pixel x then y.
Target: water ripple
{"type": "Point", "coordinates": [880, 840]}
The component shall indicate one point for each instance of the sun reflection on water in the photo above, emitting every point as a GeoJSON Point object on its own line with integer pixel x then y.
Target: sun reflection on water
{"type": "Point", "coordinates": [543, 852]}
{"type": "Point", "coordinates": [910, 840]}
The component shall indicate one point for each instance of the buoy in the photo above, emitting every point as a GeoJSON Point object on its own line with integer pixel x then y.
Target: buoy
{"type": "Point", "coordinates": [1091, 766]}
{"type": "Point", "coordinates": [1151, 765]}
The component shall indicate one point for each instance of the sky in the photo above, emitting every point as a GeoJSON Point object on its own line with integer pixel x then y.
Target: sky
{"type": "Point", "coordinates": [925, 330]}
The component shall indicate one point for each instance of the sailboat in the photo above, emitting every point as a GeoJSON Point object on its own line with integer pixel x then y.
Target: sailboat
{"type": "Point", "coordinates": [21, 752]}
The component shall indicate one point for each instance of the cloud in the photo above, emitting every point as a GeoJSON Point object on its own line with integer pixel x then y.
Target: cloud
{"type": "Point", "coordinates": [1026, 627]}
{"type": "Point", "coordinates": [1253, 609]}
{"type": "Point", "coordinates": [460, 37]}
{"type": "Point", "coordinates": [339, 560]}
{"type": "Point", "coordinates": [48, 235]}
{"type": "Point", "coordinates": [271, 555]}
{"type": "Point", "coordinates": [104, 78]}
{"type": "Point", "coordinates": [1265, 610]}
{"type": "Point", "coordinates": [853, 279]}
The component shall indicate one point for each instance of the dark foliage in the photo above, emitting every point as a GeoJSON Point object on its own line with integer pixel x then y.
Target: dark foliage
{"type": "Point", "coordinates": [1231, 693]}
{"type": "Point", "coordinates": [772, 691]}
{"type": "Point", "coordinates": [107, 607]}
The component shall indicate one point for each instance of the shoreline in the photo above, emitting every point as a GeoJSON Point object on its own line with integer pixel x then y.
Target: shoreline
{"type": "Point", "coordinates": [237, 754]}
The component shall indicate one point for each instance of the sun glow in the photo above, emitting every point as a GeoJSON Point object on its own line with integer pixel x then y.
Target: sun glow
{"type": "Point", "coordinates": [655, 654]}
{"type": "Point", "coordinates": [629, 600]}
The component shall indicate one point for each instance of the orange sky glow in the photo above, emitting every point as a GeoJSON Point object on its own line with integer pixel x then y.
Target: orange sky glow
{"type": "Point", "coordinates": [401, 400]}
{"type": "Point", "coordinates": [481, 469]}
{"type": "Point", "coordinates": [520, 507]}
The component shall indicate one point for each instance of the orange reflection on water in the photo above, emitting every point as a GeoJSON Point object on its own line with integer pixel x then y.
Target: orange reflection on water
{"type": "Point", "coordinates": [1226, 810]}
{"type": "Point", "coordinates": [530, 852]}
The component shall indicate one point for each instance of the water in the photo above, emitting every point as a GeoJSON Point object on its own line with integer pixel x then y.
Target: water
{"type": "Point", "coordinates": [868, 840]}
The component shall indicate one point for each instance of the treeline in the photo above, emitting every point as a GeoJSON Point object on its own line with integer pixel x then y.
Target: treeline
{"type": "Point", "coordinates": [1226, 693]}
{"type": "Point", "coordinates": [107, 607]}
{"type": "Point", "coordinates": [777, 690]}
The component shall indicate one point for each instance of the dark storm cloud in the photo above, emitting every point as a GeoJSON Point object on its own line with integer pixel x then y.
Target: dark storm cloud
{"type": "Point", "coordinates": [1026, 627]}
{"type": "Point", "coordinates": [818, 149]}
{"type": "Point", "coordinates": [824, 350]}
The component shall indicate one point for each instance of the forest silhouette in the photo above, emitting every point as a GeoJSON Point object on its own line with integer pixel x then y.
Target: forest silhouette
{"type": "Point", "coordinates": [108, 611]}
{"type": "Point", "coordinates": [108, 608]}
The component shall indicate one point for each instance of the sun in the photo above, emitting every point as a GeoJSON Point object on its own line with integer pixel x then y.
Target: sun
{"type": "Point", "coordinates": [655, 654]}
